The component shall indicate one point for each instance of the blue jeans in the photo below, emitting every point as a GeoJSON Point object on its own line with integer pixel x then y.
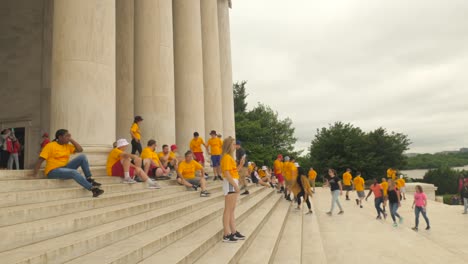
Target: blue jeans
{"type": "Point", "coordinates": [335, 200]}
{"type": "Point", "coordinates": [70, 172]}
{"type": "Point", "coordinates": [377, 203]}
{"type": "Point", "coordinates": [420, 209]}
{"type": "Point", "coordinates": [393, 211]}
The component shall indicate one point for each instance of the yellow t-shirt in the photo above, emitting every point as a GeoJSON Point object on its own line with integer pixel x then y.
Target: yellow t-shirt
{"type": "Point", "coordinates": [347, 177]}
{"type": "Point", "coordinates": [294, 171]}
{"type": "Point", "coordinates": [187, 169]}
{"type": "Point", "coordinates": [195, 144]}
{"type": "Point", "coordinates": [136, 130]}
{"type": "Point", "coordinates": [312, 174]}
{"type": "Point", "coordinates": [171, 155]}
{"type": "Point", "coordinates": [261, 173]}
{"type": "Point", "coordinates": [391, 174]}
{"type": "Point", "coordinates": [384, 186]}
{"type": "Point", "coordinates": [56, 155]}
{"type": "Point", "coordinates": [229, 164]}
{"type": "Point", "coordinates": [278, 167]}
{"type": "Point", "coordinates": [216, 146]}
{"type": "Point", "coordinates": [251, 168]}
{"type": "Point", "coordinates": [148, 153]}
{"type": "Point", "coordinates": [402, 182]}
{"type": "Point", "coordinates": [358, 183]}
{"type": "Point", "coordinates": [114, 156]}
{"type": "Point", "coordinates": [287, 170]}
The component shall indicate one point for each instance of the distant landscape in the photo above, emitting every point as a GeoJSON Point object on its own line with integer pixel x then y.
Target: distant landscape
{"type": "Point", "coordinates": [436, 160]}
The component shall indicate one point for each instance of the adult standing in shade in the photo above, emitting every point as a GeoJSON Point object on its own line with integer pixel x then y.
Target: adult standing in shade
{"type": "Point", "coordinates": [244, 169]}
{"type": "Point", "coordinates": [136, 135]}
{"type": "Point", "coordinates": [336, 190]}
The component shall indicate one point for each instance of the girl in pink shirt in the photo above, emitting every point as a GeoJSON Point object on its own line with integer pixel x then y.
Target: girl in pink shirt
{"type": "Point", "coordinates": [420, 201]}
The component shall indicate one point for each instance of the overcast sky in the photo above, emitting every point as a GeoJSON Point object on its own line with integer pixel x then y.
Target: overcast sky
{"type": "Point", "coordinates": [399, 64]}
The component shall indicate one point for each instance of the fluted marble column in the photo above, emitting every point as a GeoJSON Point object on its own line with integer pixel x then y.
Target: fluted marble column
{"type": "Point", "coordinates": [154, 70]}
{"type": "Point", "coordinates": [226, 68]}
{"type": "Point", "coordinates": [211, 67]}
{"type": "Point", "coordinates": [124, 67]}
{"type": "Point", "coordinates": [188, 60]}
{"type": "Point", "coordinates": [83, 74]}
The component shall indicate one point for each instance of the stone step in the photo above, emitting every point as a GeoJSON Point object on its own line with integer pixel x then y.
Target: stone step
{"type": "Point", "coordinates": [41, 184]}
{"type": "Point", "coordinates": [32, 212]}
{"type": "Point", "coordinates": [204, 238]}
{"type": "Point", "coordinates": [40, 196]}
{"type": "Point", "coordinates": [265, 244]}
{"type": "Point", "coordinates": [26, 174]}
{"type": "Point", "coordinates": [64, 248]}
{"type": "Point", "coordinates": [289, 247]}
{"type": "Point", "coordinates": [32, 232]}
{"type": "Point", "coordinates": [313, 250]}
{"type": "Point", "coordinates": [143, 245]}
{"type": "Point", "coordinates": [231, 253]}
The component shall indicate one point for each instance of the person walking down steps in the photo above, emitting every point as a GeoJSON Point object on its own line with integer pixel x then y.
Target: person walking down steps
{"type": "Point", "coordinates": [301, 189]}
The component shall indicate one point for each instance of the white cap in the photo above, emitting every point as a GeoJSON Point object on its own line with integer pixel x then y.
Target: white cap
{"type": "Point", "coordinates": [264, 167]}
{"type": "Point", "coordinates": [286, 158]}
{"type": "Point", "coordinates": [122, 142]}
{"type": "Point", "coordinates": [401, 176]}
{"type": "Point", "coordinates": [249, 163]}
{"type": "Point", "coordinates": [296, 164]}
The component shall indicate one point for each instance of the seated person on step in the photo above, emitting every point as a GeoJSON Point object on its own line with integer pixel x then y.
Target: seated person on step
{"type": "Point", "coordinates": [168, 157]}
{"type": "Point", "coordinates": [119, 163]}
{"type": "Point", "coordinates": [187, 172]}
{"type": "Point", "coordinates": [57, 155]}
{"type": "Point", "coordinates": [265, 177]}
{"type": "Point", "coordinates": [151, 163]}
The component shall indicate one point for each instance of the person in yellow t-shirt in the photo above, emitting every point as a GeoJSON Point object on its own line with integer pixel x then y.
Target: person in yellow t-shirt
{"type": "Point", "coordinates": [196, 147]}
{"type": "Point", "coordinates": [391, 174]}
{"type": "Point", "coordinates": [136, 135]}
{"type": "Point", "coordinates": [401, 183]}
{"type": "Point", "coordinates": [186, 171]}
{"type": "Point", "coordinates": [312, 176]}
{"type": "Point", "coordinates": [287, 172]}
{"type": "Point", "coordinates": [231, 190]}
{"type": "Point", "coordinates": [214, 146]}
{"type": "Point", "coordinates": [384, 185]}
{"type": "Point", "coordinates": [119, 164]}
{"type": "Point", "coordinates": [58, 165]}
{"type": "Point", "coordinates": [151, 162]}
{"type": "Point", "coordinates": [168, 158]}
{"type": "Point", "coordinates": [265, 177]}
{"type": "Point", "coordinates": [359, 187]}
{"type": "Point", "coordinates": [278, 166]}
{"type": "Point", "coordinates": [347, 182]}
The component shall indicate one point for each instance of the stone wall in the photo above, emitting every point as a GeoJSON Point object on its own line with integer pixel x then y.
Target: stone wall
{"type": "Point", "coordinates": [21, 75]}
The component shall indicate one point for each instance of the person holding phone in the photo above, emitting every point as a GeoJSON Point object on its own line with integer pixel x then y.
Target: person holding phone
{"type": "Point", "coordinates": [244, 169]}
{"type": "Point", "coordinates": [231, 190]}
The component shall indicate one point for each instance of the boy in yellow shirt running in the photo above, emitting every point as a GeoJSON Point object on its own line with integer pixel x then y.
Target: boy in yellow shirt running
{"type": "Point", "coordinates": [359, 187]}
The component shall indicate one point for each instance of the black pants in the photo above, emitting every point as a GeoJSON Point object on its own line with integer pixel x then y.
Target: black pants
{"type": "Point", "coordinates": [306, 198]}
{"type": "Point", "coordinates": [136, 146]}
{"type": "Point", "coordinates": [4, 159]}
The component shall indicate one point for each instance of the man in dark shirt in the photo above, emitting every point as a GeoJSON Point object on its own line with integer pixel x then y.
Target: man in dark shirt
{"type": "Point", "coordinates": [243, 171]}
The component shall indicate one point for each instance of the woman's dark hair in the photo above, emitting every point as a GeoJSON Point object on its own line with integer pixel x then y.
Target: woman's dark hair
{"type": "Point", "coordinates": [59, 133]}
{"type": "Point", "coordinates": [332, 170]}
{"type": "Point", "coordinates": [419, 188]}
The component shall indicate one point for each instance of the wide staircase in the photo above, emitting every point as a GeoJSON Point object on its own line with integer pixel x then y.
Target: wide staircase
{"type": "Point", "coordinates": [56, 221]}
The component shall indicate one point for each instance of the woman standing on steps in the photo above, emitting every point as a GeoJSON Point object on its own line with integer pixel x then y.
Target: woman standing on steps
{"type": "Point", "coordinates": [394, 202]}
{"type": "Point", "coordinates": [420, 201]}
{"type": "Point", "coordinates": [230, 173]}
{"type": "Point", "coordinates": [136, 135]}
{"type": "Point", "coordinates": [301, 188]}
{"type": "Point", "coordinates": [336, 190]}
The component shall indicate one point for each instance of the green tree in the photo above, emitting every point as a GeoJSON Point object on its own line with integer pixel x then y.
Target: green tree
{"type": "Point", "coordinates": [445, 178]}
{"type": "Point", "coordinates": [240, 95]}
{"type": "Point", "coordinates": [342, 146]}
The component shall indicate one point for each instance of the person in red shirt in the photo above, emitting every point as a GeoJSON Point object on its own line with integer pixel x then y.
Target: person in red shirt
{"type": "Point", "coordinates": [45, 140]}
{"type": "Point", "coordinates": [378, 198]}
{"type": "Point", "coordinates": [13, 147]}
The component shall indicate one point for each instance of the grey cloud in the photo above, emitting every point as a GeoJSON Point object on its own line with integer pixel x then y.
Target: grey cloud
{"type": "Point", "coordinates": [397, 64]}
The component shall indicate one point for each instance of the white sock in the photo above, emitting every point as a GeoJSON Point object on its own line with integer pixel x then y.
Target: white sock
{"type": "Point", "coordinates": [127, 175]}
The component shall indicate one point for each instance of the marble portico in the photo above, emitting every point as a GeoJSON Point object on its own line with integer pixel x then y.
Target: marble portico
{"type": "Point", "coordinates": [91, 65]}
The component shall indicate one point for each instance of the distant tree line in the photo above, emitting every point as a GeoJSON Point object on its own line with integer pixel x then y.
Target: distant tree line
{"type": "Point", "coordinates": [431, 161]}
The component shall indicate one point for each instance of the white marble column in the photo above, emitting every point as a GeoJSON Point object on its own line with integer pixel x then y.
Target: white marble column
{"type": "Point", "coordinates": [154, 70]}
{"type": "Point", "coordinates": [83, 74]}
{"type": "Point", "coordinates": [226, 68]}
{"type": "Point", "coordinates": [124, 67]}
{"type": "Point", "coordinates": [211, 67]}
{"type": "Point", "coordinates": [188, 60]}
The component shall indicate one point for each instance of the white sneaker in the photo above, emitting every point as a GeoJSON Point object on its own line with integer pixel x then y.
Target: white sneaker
{"type": "Point", "coordinates": [154, 186]}
{"type": "Point", "coordinates": [129, 181]}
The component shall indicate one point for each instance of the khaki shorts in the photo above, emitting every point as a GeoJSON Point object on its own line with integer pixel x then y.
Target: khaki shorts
{"type": "Point", "coordinates": [243, 172]}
